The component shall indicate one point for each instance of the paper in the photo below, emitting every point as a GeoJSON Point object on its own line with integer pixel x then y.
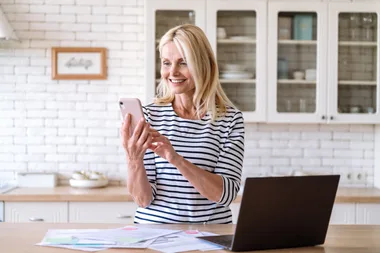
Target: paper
{"type": "Point", "coordinates": [183, 241]}
{"type": "Point", "coordinates": [100, 239]}
{"type": "Point", "coordinates": [93, 240]}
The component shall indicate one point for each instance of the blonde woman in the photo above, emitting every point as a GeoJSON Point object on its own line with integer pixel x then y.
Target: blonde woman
{"type": "Point", "coordinates": [185, 159]}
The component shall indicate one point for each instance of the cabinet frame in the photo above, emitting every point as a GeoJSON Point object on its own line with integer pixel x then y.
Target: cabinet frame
{"type": "Point", "coordinates": [260, 7]}
{"type": "Point", "coordinates": [334, 10]}
{"type": "Point", "coordinates": [198, 6]}
{"type": "Point", "coordinates": [320, 8]}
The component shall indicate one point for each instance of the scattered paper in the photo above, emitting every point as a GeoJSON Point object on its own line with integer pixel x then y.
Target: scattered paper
{"type": "Point", "coordinates": [92, 240]}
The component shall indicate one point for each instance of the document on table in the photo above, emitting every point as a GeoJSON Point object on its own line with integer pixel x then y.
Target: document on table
{"type": "Point", "coordinates": [99, 239]}
{"type": "Point", "coordinates": [183, 241]}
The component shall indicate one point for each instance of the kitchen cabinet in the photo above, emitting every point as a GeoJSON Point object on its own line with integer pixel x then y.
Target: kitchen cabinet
{"type": "Point", "coordinates": [343, 213]}
{"type": "Point", "coordinates": [54, 212]}
{"type": "Point", "coordinates": [368, 213]}
{"type": "Point", "coordinates": [102, 212]}
{"type": "Point", "coordinates": [235, 207]}
{"type": "Point", "coordinates": [283, 61]}
{"type": "Point", "coordinates": [340, 46]}
{"type": "Point", "coordinates": [237, 33]}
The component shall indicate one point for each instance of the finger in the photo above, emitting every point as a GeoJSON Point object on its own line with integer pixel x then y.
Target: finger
{"type": "Point", "coordinates": [126, 127]}
{"type": "Point", "coordinates": [138, 130]}
{"type": "Point", "coordinates": [144, 135]}
{"type": "Point", "coordinates": [161, 139]}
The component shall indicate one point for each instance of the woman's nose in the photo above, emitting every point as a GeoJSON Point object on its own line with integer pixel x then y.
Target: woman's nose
{"type": "Point", "coordinates": [174, 69]}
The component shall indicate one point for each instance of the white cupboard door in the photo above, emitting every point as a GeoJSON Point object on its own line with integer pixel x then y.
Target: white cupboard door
{"type": "Point", "coordinates": [353, 63]}
{"type": "Point", "coordinates": [297, 57]}
{"type": "Point", "coordinates": [237, 33]}
{"type": "Point", "coordinates": [235, 207]}
{"type": "Point", "coordinates": [54, 212]}
{"type": "Point", "coordinates": [343, 213]}
{"type": "Point", "coordinates": [367, 213]}
{"type": "Point", "coordinates": [102, 212]}
{"type": "Point", "coordinates": [160, 17]}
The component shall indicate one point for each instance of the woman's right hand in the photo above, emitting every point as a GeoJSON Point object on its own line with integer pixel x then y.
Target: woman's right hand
{"type": "Point", "coordinates": [137, 143]}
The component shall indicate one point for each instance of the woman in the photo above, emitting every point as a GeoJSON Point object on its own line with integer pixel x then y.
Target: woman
{"type": "Point", "coordinates": [185, 162]}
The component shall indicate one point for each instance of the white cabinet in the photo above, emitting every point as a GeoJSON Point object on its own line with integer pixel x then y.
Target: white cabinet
{"type": "Point", "coordinates": [160, 17]}
{"type": "Point", "coordinates": [240, 49]}
{"type": "Point", "coordinates": [55, 212]}
{"type": "Point", "coordinates": [353, 61]}
{"type": "Point", "coordinates": [343, 213]}
{"type": "Point", "coordinates": [102, 212]}
{"type": "Point", "coordinates": [303, 62]}
{"type": "Point", "coordinates": [235, 207]}
{"type": "Point", "coordinates": [367, 213]}
{"type": "Point", "coordinates": [292, 97]}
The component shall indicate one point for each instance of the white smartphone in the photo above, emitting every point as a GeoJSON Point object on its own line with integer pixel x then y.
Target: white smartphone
{"type": "Point", "coordinates": [132, 106]}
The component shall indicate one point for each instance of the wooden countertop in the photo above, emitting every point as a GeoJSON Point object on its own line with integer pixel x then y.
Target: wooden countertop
{"type": "Point", "coordinates": [114, 193]}
{"type": "Point", "coordinates": [22, 237]}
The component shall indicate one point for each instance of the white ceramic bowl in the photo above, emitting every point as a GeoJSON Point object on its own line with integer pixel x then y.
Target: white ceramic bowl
{"type": "Point", "coordinates": [230, 67]}
{"type": "Point", "coordinates": [88, 183]}
{"type": "Point", "coordinates": [298, 75]}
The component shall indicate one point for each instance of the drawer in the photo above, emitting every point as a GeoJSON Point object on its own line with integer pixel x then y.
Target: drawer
{"type": "Point", "coordinates": [54, 212]}
{"type": "Point", "coordinates": [102, 212]}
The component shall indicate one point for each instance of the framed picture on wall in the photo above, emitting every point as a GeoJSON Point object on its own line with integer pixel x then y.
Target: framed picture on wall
{"type": "Point", "coordinates": [79, 63]}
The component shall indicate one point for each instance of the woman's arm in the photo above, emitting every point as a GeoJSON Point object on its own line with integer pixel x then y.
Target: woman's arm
{"type": "Point", "coordinates": [207, 184]}
{"type": "Point", "coordinates": [136, 146]}
{"type": "Point", "coordinates": [223, 184]}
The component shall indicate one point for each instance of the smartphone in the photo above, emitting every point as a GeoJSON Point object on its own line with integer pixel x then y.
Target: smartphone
{"type": "Point", "coordinates": [132, 106]}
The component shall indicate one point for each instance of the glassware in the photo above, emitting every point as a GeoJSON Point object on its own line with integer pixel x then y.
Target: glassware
{"type": "Point", "coordinates": [355, 23]}
{"type": "Point", "coordinates": [368, 21]}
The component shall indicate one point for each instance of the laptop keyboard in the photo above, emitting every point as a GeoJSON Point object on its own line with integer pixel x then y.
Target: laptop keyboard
{"type": "Point", "coordinates": [225, 240]}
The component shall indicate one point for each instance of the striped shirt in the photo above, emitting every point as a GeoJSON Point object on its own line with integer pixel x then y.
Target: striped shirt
{"type": "Point", "coordinates": [217, 147]}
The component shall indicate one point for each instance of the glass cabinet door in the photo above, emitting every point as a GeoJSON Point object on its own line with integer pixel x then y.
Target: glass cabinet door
{"type": "Point", "coordinates": [236, 32]}
{"type": "Point", "coordinates": [161, 16]}
{"type": "Point", "coordinates": [296, 62]}
{"type": "Point", "coordinates": [355, 79]}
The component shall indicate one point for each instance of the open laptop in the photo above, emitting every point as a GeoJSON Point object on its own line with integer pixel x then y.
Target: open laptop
{"type": "Point", "coordinates": [282, 212]}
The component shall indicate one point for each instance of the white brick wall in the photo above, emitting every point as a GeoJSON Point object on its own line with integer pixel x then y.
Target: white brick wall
{"type": "Point", "coordinates": [62, 126]}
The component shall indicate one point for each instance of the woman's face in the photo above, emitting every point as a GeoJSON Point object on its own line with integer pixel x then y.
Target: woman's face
{"type": "Point", "coordinates": [174, 70]}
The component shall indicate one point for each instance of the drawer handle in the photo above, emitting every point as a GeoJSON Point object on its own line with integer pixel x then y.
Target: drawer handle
{"type": "Point", "coordinates": [35, 219]}
{"type": "Point", "coordinates": [121, 216]}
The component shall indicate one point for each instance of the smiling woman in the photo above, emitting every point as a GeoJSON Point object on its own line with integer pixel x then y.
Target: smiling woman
{"type": "Point", "coordinates": [185, 159]}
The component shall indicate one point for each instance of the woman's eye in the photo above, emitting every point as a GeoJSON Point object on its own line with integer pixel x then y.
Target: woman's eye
{"type": "Point", "coordinates": [183, 64]}
{"type": "Point", "coordinates": [166, 63]}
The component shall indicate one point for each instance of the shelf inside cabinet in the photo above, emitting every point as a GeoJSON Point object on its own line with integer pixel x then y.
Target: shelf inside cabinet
{"type": "Point", "coordinates": [356, 82]}
{"type": "Point", "coordinates": [358, 43]}
{"type": "Point", "coordinates": [297, 42]}
{"type": "Point", "coordinates": [232, 41]}
{"type": "Point", "coordinates": [295, 81]}
{"type": "Point", "coordinates": [238, 80]}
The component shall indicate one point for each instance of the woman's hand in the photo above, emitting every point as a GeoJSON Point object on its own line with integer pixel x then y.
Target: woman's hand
{"type": "Point", "coordinates": [162, 147]}
{"type": "Point", "coordinates": [138, 142]}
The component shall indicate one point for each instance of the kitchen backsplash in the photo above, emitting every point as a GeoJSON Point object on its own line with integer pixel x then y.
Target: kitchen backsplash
{"type": "Point", "coordinates": [62, 126]}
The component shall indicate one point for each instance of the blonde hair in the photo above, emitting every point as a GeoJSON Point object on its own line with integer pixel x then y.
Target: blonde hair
{"type": "Point", "coordinates": [209, 96]}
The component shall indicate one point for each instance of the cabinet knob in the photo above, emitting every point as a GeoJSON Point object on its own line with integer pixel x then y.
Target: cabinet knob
{"type": "Point", "coordinates": [35, 219]}
{"type": "Point", "coordinates": [323, 117]}
{"type": "Point", "coordinates": [331, 117]}
{"type": "Point", "coordinates": [122, 216]}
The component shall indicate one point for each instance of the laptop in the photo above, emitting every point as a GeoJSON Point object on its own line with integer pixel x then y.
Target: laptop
{"type": "Point", "coordinates": [282, 212]}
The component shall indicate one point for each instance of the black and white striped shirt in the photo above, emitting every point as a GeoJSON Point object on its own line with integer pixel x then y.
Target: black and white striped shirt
{"type": "Point", "coordinates": [217, 147]}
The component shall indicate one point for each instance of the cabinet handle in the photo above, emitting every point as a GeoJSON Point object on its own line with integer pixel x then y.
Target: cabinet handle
{"type": "Point", "coordinates": [121, 216]}
{"type": "Point", "coordinates": [331, 117]}
{"type": "Point", "coordinates": [35, 219]}
{"type": "Point", "coordinates": [323, 117]}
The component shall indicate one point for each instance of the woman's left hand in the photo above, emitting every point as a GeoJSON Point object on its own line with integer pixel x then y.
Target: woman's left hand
{"type": "Point", "coordinates": [162, 147]}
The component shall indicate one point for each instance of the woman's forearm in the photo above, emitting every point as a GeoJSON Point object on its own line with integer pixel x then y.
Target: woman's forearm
{"type": "Point", "coordinates": [208, 185]}
{"type": "Point", "coordinates": [138, 185]}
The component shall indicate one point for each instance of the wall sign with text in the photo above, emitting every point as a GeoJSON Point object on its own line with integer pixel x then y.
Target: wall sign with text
{"type": "Point", "coordinates": [79, 63]}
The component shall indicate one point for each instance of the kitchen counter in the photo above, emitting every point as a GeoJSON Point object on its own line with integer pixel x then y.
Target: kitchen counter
{"type": "Point", "coordinates": [22, 237]}
{"type": "Point", "coordinates": [115, 193]}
